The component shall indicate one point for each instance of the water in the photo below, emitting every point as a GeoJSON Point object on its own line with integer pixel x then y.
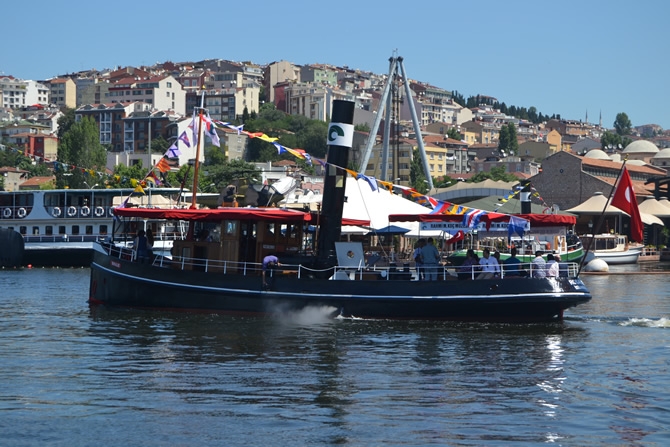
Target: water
{"type": "Point", "coordinates": [72, 376]}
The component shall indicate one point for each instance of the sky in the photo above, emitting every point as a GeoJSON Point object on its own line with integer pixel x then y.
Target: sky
{"type": "Point", "coordinates": [577, 59]}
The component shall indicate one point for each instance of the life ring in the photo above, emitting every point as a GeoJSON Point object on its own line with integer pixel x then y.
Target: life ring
{"type": "Point", "coordinates": [99, 211]}
{"type": "Point", "coordinates": [56, 212]}
{"type": "Point", "coordinates": [7, 213]}
{"type": "Point", "coordinates": [85, 211]}
{"type": "Point", "coordinates": [72, 211]}
{"type": "Point", "coordinates": [21, 213]}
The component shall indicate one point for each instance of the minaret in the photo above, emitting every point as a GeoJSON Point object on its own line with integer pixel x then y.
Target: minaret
{"type": "Point", "coordinates": [600, 123]}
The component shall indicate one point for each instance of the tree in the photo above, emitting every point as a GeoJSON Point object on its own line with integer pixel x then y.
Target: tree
{"type": "Point", "coordinates": [496, 173]}
{"type": "Point", "coordinates": [454, 134]}
{"type": "Point", "coordinates": [80, 149]}
{"type": "Point", "coordinates": [622, 124]}
{"type": "Point", "coordinates": [508, 141]}
{"type": "Point", "coordinates": [159, 145]}
{"type": "Point", "coordinates": [417, 178]}
{"type": "Point", "coordinates": [65, 122]}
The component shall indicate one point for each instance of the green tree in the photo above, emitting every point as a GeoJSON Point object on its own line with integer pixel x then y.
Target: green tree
{"type": "Point", "coordinates": [622, 124]}
{"type": "Point", "coordinates": [65, 122]}
{"type": "Point", "coordinates": [159, 145]}
{"type": "Point", "coordinates": [364, 127]}
{"type": "Point", "coordinates": [454, 134]}
{"type": "Point", "coordinates": [417, 178]}
{"type": "Point", "coordinates": [507, 140]}
{"type": "Point", "coordinates": [80, 149]}
{"type": "Point", "coordinates": [496, 173]}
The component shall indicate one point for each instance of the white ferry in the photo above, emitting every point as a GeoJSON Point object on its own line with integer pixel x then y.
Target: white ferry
{"type": "Point", "coordinates": [60, 226]}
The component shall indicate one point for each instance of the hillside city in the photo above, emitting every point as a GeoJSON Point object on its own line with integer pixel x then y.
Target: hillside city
{"type": "Point", "coordinates": [133, 106]}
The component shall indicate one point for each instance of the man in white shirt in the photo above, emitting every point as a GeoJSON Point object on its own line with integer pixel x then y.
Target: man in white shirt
{"type": "Point", "coordinates": [551, 267]}
{"type": "Point", "coordinates": [538, 266]}
{"type": "Point", "coordinates": [489, 265]}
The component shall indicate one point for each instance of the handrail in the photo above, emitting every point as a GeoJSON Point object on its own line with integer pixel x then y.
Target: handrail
{"type": "Point", "coordinates": [302, 271]}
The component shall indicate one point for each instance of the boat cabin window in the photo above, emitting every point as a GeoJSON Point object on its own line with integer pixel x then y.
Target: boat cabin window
{"type": "Point", "coordinates": [103, 229]}
{"type": "Point", "coordinates": [23, 230]}
{"type": "Point", "coordinates": [75, 229]}
{"type": "Point", "coordinates": [49, 230]}
{"type": "Point", "coordinates": [36, 230]}
{"type": "Point", "coordinates": [61, 229]}
{"type": "Point", "coordinates": [89, 229]}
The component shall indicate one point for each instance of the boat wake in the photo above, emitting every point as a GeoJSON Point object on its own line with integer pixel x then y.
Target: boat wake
{"type": "Point", "coordinates": [310, 315]}
{"type": "Point", "coordinates": [647, 322]}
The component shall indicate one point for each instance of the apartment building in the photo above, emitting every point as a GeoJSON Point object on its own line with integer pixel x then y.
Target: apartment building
{"type": "Point", "coordinates": [63, 92]}
{"type": "Point", "coordinates": [17, 93]}
{"type": "Point", "coordinates": [163, 92]}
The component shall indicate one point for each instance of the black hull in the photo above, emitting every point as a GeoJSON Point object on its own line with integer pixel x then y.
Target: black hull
{"type": "Point", "coordinates": [62, 257]}
{"type": "Point", "coordinates": [116, 282]}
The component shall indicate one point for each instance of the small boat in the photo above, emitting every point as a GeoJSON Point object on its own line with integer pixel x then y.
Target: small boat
{"type": "Point", "coordinates": [612, 248]}
{"type": "Point", "coordinates": [60, 226]}
{"type": "Point", "coordinates": [317, 271]}
{"type": "Point", "coordinates": [547, 233]}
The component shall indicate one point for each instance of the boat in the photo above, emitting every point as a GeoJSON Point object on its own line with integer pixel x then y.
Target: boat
{"type": "Point", "coordinates": [317, 272]}
{"type": "Point", "coordinates": [612, 248]}
{"type": "Point", "coordinates": [59, 226]}
{"type": "Point", "coordinates": [547, 233]}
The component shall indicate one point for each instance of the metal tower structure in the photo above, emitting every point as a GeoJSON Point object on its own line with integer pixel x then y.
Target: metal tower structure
{"type": "Point", "coordinates": [396, 76]}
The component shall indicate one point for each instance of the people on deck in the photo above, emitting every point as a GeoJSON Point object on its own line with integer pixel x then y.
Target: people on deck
{"type": "Point", "coordinates": [430, 258]}
{"type": "Point", "coordinates": [270, 262]}
{"type": "Point", "coordinates": [489, 265]}
{"type": "Point", "coordinates": [470, 266]}
{"type": "Point", "coordinates": [418, 260]}
{"type": "Point", "coordinates": [512, 265]}
{"type": "Point", "coordinates": [563, 269]}
{"type": "Point", "coordinates": [140, 246]}
{"type": "Point", "coordinates": [551, 267]}
{"type": "Point", "coordinates": [538, 266]}
{"type": "Point", "coordinates": [150, 244]}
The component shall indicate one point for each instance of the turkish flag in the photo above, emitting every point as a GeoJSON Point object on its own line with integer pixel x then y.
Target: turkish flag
{"type": "Point", "coordinates": [624, 199]}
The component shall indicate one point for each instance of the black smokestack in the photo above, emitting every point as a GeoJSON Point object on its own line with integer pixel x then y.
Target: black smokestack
{"type": "Point", "coordinates": [525, 197]}
{"type": "Point", "coordinates": [340, 140]}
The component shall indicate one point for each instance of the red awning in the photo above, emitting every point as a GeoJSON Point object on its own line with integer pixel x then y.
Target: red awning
{"type": "Point", "coordinates": [215, 215]}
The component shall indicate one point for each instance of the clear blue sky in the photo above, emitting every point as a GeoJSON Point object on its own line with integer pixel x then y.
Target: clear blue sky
{"type": "Point", "coordinates": [568, 57]}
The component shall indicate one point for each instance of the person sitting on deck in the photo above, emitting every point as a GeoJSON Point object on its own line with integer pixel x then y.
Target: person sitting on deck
{"type": "Point", "coordinates": [563, 269]}
{"type": "Point", "coordinates": [490, 266]}
{"type": "Point", "coordinates": [512, 265]}
{"type": "Point", "coordinates": [551, 267]}
{"type": "Point", "coordinates": [538, 266]}
{"type": "Point", "coordinates": [469, 266]}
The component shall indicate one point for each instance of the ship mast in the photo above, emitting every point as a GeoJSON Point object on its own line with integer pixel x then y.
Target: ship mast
{"type": "Point", "coordinates": [396, 74]}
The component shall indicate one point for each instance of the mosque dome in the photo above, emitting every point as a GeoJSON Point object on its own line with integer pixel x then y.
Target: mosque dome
{"type": "Point", "coordinates": [597, 154]}
{"type": "Point", "coordinates": [641, 146]}
{"type": "Point", "coordinates": [663, 153]}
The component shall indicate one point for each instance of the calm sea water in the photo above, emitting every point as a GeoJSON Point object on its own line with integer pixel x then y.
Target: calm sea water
{"type": "Point", "coordinates": [72, 376]}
